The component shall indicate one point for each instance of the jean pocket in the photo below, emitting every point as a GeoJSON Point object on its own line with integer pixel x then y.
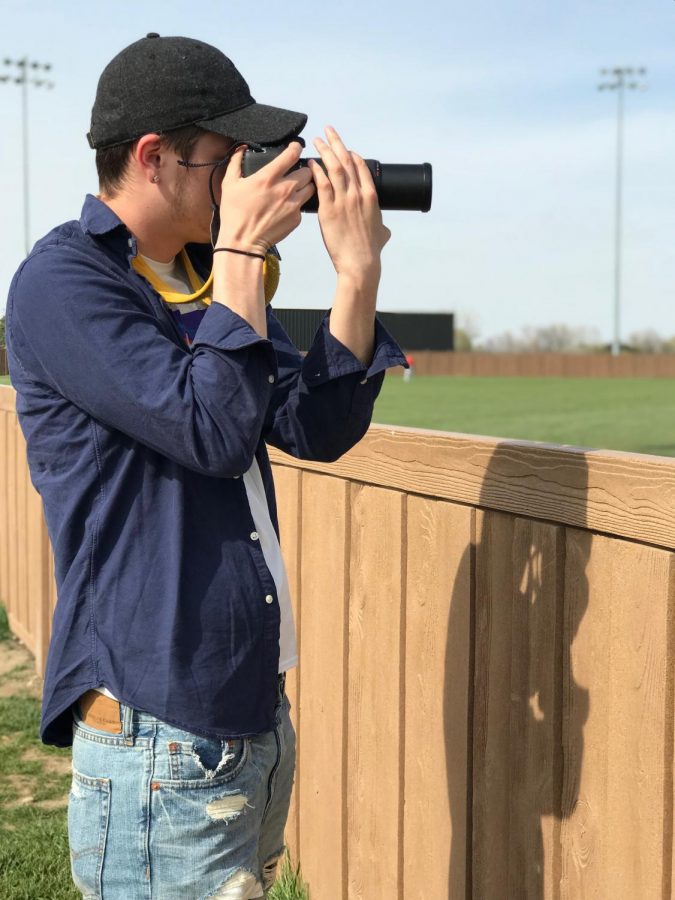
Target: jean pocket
{"type": "Point", "coordinates": [204, 759]}
{"type": "Point", "coordinates": [88, 812]}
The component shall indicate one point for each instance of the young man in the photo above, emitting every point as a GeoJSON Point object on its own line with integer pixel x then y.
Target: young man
{"type": "Point", "coordinates": [147, 392]}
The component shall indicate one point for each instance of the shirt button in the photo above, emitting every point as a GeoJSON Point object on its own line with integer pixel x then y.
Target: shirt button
{"type": "Point", "coordinates": [270, 378]}
{"type": "Point", "coordinates": [269, 599]}
{"type": "Point", "coordinates": [254, 535]}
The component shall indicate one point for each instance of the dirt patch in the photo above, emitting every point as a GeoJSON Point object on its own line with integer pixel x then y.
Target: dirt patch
{"type": "Point", "coordinates": [17, 671]}
{"type": "Point", "coordinates": [51, 764]}
{"type": "Point", "coordinates": [13, 654]}
{"type": "Point", "coordinates": [22, 786]}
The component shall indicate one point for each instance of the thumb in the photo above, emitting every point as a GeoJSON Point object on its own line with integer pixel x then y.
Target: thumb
{"type": "Point", "coordinates": [233, 170]}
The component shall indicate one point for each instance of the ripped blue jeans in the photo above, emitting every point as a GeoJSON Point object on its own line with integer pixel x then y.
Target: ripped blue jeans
{"type": "Point", "coordinates": [156, 813]}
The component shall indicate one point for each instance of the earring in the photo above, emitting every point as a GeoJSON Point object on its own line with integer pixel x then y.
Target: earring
{"type": "Point", "coordinates": [155, 179]}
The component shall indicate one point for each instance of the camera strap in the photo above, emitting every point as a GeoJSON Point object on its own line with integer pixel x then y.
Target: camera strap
{"type": "Point", "coordinates": [201, 291]}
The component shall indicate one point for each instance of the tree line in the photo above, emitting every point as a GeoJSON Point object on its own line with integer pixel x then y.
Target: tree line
{"type": "Point", "coordinates": [557, 338]}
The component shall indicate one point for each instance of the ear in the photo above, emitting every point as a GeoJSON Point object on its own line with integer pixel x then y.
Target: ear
{"type": "Point", "coordinates": [148, 156]}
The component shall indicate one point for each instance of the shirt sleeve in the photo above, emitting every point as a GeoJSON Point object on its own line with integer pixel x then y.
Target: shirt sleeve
{"type": "Point", "coordinates": [83, 330]}
{"type": "Point", "coordinates": [323, 404]}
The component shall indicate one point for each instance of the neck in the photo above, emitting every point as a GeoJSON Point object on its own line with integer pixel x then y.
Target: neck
{"type": "Point", "coordinates": [149, 228]}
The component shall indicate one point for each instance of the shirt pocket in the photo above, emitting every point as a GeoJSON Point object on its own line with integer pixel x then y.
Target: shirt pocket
{"type": "Point", "coordinates": [88, 813]}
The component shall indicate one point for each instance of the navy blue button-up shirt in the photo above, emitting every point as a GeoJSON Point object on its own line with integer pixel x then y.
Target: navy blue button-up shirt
{"type": "Point", "coordinates": [135, 443]}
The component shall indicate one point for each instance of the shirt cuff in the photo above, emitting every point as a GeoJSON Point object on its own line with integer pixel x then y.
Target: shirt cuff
{"type": "Point", "coordinates": [328, 358]}
{"type": "Point", "coordinates": [224, 329]}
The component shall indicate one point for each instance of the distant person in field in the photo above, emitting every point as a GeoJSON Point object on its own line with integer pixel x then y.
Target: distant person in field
{"type": "Point", "coordinates": [151, 373]}
{"type": "Point", "coordinates": [410, 371]}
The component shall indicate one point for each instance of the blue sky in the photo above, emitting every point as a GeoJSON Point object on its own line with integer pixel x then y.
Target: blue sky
{"type": "Point", "coordinates": [499, 96]}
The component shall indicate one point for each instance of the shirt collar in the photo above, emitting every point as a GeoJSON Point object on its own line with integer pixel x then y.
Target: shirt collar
{"type": "Point", "coordinates": [97, 217]}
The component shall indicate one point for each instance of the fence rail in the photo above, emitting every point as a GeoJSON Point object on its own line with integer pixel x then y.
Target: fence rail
{"type": "Point", "coordinates": [485, 700]}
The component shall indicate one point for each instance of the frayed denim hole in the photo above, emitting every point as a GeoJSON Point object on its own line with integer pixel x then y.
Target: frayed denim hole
{"type": "Point", "coordinates": [212, 756]}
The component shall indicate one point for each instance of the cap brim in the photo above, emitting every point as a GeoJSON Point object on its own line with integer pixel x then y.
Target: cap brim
{"type": "Point", "coordinates": [258, 123]}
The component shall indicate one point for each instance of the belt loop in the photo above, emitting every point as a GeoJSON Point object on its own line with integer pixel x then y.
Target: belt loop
{"type": "Point", "coordinates": [128, 724]}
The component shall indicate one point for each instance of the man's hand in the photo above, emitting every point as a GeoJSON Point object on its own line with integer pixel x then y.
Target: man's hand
{"type": "Point", "coordinates": [354, 235]}
{"type": "Point", "coordinates": [262, 209]}
{"type": "Point", "coordinates": [349, 214]}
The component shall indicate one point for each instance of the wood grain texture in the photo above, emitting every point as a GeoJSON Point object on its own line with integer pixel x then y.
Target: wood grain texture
{"type": "Point", "coordinates": [535, 767]}
{"type": "Point", "coordinates": [622, 494]}
{"type": "Point", "coordinates": [5, 490]}
{"type": "Point", "coordinates": [322, 736]}
{"type": "Point", "coordinates": [617, 723]}
{"type": "Point", "coordinates": [22, 609]}
{"type": "Point", "coordinates": [13, 599]}
{"type": "Point", "coordinates": [288, 488]}
{"type": "Point", "coordinates": [7, 398]}
{"type": "Point", "coordinates": [375, 727]}
{"type": "Point", "coordinates": [492, 704]}
{"type": "Point", "coordinates": [437, 692]}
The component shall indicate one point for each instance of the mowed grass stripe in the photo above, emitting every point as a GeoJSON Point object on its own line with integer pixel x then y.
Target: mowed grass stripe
{"type": "Point", "coordinates": [605, 413]}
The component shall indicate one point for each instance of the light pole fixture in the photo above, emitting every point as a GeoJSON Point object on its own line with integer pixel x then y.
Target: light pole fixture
{"type": "Point", "coordinates": [620, 79]}
{"type": "Point", "coordinates": [26, 71]}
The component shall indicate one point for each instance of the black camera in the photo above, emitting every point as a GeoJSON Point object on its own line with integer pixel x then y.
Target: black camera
{"type": "Point", "coordinates": [398, 186]}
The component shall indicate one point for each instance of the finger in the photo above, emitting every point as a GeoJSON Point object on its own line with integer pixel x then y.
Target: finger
{"type": "Point", "coordinates": [279, 166]}
{"type": "Point", "coordinates": [324, 188]}
{"type": "Point", "coordinates": [365, 177]}
{"type": "Point", "coordinates": [340, 151]}
{"type": "Point", "coordinates": [301, 177]}
{"type": "Point", "coordinates": [336, 172]}
{"type": "Point", "coordinates": [233, 170]}
{"type": "Point", "coordinates": [304, 194]}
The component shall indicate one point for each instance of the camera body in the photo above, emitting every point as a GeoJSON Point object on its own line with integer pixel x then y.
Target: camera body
{"type": "Point", "coordinates": [398, 186]}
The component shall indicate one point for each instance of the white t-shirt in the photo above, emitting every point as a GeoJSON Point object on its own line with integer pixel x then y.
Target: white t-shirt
{"type": "Point", "coordinates": [172, 274]}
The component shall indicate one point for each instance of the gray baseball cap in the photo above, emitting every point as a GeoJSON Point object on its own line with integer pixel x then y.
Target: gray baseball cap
{"type": "Point", "coordinates": [161, 83]}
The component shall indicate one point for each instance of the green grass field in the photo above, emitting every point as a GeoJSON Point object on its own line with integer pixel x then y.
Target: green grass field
{"type": "Point", "coordinates": [635, 414]}
{"type": "Point", "coordinates": [617, 414]}
{"type": "Point", "coordinates": [4, 379]}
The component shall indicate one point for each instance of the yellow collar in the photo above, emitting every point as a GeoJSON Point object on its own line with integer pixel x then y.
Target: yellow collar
{"type": "Point", "coordinates": [202, 291]}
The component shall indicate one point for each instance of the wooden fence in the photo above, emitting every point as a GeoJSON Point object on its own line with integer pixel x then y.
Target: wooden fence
{"type": "Point", "coordinates": [485, 700]}
{"type": "Point", "coordinates": [539, 365]}
{"type": "Point", "coordinates": [4, 369]}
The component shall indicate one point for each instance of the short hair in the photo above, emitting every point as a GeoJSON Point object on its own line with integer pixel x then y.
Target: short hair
{"type": "Point", "coordinates": [112, 162]}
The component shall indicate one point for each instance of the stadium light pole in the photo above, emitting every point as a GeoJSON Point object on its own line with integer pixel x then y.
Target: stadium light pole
{"type": "Point", "coordinates": [21, 75]}
{"type": "Point", "coordinates": [619, 79]}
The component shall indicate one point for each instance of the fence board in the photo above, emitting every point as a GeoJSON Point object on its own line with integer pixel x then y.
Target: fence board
{"type": "Point", "coordinates": [288, 487]}
{"type": "Point", "coordinates": [13, 595]}
{"type": "Point", "coordinates": [534, 763]}
{"type": "Point", "coordinates": [323, 737]}
{"type": "Point", "coordinates": [24, 612]}
{"type": "Point", "coordinates": [517, 707]}
{"type": "Point", "coordinates": [438, 676]}
{"type": "Point", "coordinates": [616, 804]}
{"type": "Point", "coordinates": [374, 713]}
{"type": "Point", "coordinates": [492, 700]}
{"type": "Point", "coordinates": [5, 491]}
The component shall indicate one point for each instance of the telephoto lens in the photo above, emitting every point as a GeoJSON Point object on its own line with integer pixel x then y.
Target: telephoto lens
{"type": "Point", "coordinates": [398, 186]}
